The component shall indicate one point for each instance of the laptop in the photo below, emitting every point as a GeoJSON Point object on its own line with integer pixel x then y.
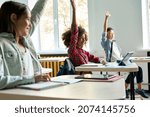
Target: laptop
{"type": "Point", "coordinates": [125, 59]}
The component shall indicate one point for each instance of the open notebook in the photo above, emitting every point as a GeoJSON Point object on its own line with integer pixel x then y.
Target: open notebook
{"type": "Point", "coordinates": [55, 82]}
{"type": "Point", "coordinates": [41, 85]}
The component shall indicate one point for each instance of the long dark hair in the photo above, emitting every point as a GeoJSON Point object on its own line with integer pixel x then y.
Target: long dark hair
{"type": "Point", "coordinates": [66, 36]}
{"type": "Point", "coordinates": [6, 10]}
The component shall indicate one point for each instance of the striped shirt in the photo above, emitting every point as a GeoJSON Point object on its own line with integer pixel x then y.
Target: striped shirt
{"type": "Point", "coordinates": [78, 55]}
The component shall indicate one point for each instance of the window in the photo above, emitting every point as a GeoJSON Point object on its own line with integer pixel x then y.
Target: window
{"type": "Point", "coordinates": [146, 23]}
{"type": "Point", "coordinates": [148, 15]}
{"type": "Point", "coordinates": [55, 20]}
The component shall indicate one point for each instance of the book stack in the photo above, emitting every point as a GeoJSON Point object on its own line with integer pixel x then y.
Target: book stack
{"type": "Point", "coordinates": [99, 77]}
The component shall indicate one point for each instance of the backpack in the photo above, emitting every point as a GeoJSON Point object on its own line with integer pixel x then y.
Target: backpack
{"type": "Point", "coordinates": [66, 69]}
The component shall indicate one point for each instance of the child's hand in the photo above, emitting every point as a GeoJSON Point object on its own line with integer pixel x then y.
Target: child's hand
{"type": "Point", "coordinates": [107, 14]}
{"type": "Point", "coordinates": [102, 61]}
{"type": "Point", "coordinates": [42, 77]}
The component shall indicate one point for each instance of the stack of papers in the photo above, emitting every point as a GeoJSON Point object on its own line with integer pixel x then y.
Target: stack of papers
{"type": "Point", "coordinates": [66, 80]}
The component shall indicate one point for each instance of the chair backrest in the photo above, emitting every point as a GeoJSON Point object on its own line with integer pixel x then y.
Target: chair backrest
{"type": "Point", "coordinates": [66, 69]}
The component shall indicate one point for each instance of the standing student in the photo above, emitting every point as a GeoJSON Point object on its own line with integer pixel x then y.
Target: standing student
{"type": "Point", "coordinates": [113, 53]}
{"type": "Point", "coordinates": [18, 61]}
{"type": "Point", "coordinates": [74, 39]}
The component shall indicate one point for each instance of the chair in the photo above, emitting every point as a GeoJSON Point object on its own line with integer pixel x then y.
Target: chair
{"type": "Point", "coordinates": [66, 69]}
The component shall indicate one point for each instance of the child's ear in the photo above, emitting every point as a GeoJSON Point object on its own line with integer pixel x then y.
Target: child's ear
{"type": "Point", "coordinates": [13, 17]}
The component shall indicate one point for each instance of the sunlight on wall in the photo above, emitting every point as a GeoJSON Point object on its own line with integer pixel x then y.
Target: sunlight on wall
{"type": "Point", "coordinates": [145, 24]}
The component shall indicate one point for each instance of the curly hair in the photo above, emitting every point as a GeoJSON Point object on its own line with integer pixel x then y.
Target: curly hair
{"type": "Point", "coordinates": [66, 36]}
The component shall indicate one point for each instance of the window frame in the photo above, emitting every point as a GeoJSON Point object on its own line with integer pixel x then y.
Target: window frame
{"type": "Point", "coordinates": [57, 50]}
{"type": "Point", "coordinates": [146, 23]}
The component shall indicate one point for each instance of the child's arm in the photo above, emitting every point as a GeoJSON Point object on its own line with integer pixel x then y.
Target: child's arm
{"type": "Point", "coordinates": [92, 58]}
{"type": "Point", "coordinates": [95, 59]}
{"type": "Point", "coordinates": [74, 21]}
{"type": "Point", "coordinates": [104, 39]}
{"type": "Point", "coordinates": [74, 29]}
{"type": "Point", "coordinates": [107, 15]}
{"type": "Point", "coordinates": [36, 14]}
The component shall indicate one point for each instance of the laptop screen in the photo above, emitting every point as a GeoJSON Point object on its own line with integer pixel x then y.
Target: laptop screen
{"type": "Point", "coordinates": [127, 56]}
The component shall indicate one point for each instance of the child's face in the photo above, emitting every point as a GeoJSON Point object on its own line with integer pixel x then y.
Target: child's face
{"type": "Point", "coordinates": [23, 24]}
{"type": "Point", "coordinates": [110, 34]}
{"type": "Point", "coordinates": [82, 40]}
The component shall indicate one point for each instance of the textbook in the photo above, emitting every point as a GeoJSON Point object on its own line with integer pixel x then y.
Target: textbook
{"type": "Point", "coordinates": [66, 80]}
{"type": "Point", "coordinates": [98, 77]}
{"type": "Point", "coordinates": [41, 85]}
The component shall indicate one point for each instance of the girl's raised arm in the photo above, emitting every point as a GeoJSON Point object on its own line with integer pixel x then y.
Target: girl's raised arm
{"type": "Point", "coordinates": [74, 21]}
{"type": "Point", "coordinates": [107, 15]}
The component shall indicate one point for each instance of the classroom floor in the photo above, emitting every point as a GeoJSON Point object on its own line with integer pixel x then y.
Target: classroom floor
{"type": "Point", "coordinates": [147, 98]}
{"type": "Point", "coordinates": [139, 97]}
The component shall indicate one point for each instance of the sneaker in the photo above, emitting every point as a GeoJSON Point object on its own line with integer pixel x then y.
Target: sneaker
{"type": "Point", "coordinates": [141, 92]}
{"type": "Point", "coordinates": [127, 94]}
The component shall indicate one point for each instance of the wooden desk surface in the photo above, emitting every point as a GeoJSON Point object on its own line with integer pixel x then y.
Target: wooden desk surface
{"type": "Point", "coordinates": [81, 90]}
{"type": "Point", "coordinates": [140, 59]}
{"type": "Point", "coordinates": [113, 67]}
{"type": "Point", "coordinates": [53, 59]}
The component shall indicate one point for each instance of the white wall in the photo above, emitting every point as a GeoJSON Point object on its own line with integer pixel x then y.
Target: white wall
{"type": "Point", "coordinates": [23, 1]}
{"type": "Point", "coordinates": [126, 19]}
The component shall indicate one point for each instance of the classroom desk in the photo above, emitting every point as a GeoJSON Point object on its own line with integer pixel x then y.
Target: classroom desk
{"type": "Point", "coordinates": [112, 67]}
{"type": "Point", "coordinates": [143, 60]}
{"type": "Point", "coordinates": [81, 90]}
{"type": "Point", "coordinates": [53, 59]}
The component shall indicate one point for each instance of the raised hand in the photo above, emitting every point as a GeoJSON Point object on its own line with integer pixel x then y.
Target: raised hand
{"type": "Point", "coordinates": [73, 4]}
{"type": "Point", "coordinates": [74, 22]}
{"type": "Point", "coordinates": [107, 14]}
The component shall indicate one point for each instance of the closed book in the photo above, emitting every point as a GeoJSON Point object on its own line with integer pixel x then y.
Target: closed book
{"type": "Point", "coordinates": [99, 77]}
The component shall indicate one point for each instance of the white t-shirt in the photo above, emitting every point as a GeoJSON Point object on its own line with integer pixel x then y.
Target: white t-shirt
{"type": "Point", "coordinates": [116, 55]}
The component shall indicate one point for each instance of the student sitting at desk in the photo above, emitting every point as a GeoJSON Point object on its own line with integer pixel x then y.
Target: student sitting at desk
{"type": "Point", "coordinates": [18, 61]}
{"type": "Point", "coordinates": [113, 53]}
{"type": "Point", "coordinates": [74, 39]}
